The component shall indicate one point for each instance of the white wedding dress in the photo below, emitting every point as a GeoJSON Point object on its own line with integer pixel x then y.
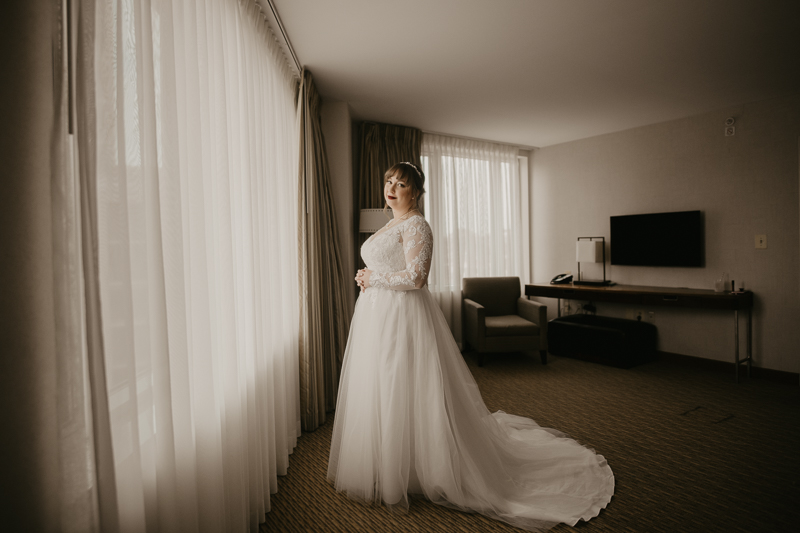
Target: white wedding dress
{"type": "Point", "coordinates": [410, 418]}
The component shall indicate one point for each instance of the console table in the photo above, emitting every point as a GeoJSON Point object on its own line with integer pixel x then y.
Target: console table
{"type": "Point", "coordinates": [660, 296]}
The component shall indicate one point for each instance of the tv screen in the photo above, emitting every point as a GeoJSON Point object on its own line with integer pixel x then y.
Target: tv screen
{"type": "Point", "coordinates": [658, 239]}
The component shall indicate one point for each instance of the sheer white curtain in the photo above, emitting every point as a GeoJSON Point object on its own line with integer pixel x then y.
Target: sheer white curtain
{"type": "Point", "coordinates": [188, 156]}
{"type": "Point", "coordinates": [477, 210]}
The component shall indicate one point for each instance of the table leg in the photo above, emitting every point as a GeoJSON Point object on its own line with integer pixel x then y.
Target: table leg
{"type": "Point", "coordinates": [559, 307]}
{"type": "Point", "coordinates": [736, 342]}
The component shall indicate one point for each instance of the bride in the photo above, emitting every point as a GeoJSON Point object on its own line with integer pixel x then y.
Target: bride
{"type": "Point", "coordinates": [410, 418]}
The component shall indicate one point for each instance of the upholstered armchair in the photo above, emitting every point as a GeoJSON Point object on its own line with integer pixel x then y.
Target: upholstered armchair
{"type": "Point", "coordinates": [497, 319]}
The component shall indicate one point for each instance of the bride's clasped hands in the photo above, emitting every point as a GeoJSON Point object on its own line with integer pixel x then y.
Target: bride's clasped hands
{"type": "Point", "coordinates": [362, 278]}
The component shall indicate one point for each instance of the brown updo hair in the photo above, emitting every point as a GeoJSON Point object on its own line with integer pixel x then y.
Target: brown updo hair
{"type": "Point", "coordinates": [412, 176]}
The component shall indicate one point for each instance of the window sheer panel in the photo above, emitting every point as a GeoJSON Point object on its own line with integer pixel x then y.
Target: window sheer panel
{"type": "Point", "coordinates": [197, 187]}
{"type": "Point", "coordinates": [524, 202]}
{"type": "Point", "coordinates": [76, 460]}
{"type": "Point", "coordinates": [475, 212]}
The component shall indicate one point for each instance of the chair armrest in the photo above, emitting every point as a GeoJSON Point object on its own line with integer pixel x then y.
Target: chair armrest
{"type": "Point", "coordinates": [475, 323]}
{"type": "Point", "coordinates": [532, 311]}
{"type": "Point", "coordinates": [537, 313]}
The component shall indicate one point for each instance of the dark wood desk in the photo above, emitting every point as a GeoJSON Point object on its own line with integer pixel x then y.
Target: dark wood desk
{"type": "Point", "coordinates": [660, 296]}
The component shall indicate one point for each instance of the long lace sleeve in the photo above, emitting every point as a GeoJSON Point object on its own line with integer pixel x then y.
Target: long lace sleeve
{"type": "Point", "coordinates": [418, 250]}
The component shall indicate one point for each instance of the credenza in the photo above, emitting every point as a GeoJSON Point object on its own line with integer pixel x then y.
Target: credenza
{"type": "Point", "coordinates": [660, 296]}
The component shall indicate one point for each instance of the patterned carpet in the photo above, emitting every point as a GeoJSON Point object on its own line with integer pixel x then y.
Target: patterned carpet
{"type": "Point", "coordinates": [690, 449]}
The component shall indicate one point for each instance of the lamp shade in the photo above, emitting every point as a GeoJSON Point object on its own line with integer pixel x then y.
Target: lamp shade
{"type": "Point", "coordinates": [371, 220]}
{"type": "Point", "coordinates": [589, 252]}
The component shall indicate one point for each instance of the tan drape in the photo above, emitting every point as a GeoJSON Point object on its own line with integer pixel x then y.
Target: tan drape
{"type": "Point", "coordinates": [381, 146]}
{"type": "Point", "coordinates": [324, 320]}
{"type": "Point", "coordinates": [29, 484]}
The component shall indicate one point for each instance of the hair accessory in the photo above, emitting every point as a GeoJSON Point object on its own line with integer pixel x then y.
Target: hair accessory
{"type": "Point", "coordinates": [412, 166]}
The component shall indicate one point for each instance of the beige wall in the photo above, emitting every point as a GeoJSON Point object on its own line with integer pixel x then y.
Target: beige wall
{"type": "Point", "coordinates": [336, 128]}
{"type": "Point", "coordinates": [745, 185]}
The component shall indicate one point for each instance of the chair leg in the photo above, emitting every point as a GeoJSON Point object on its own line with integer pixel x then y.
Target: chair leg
{"type": "Point", "coordinates": [543, 353]}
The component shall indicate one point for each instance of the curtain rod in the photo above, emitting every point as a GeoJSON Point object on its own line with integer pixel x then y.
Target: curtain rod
{"type": "Point", "coordinates": [275, 23]}
{"type": "Point", "coordinates": [519, 146]}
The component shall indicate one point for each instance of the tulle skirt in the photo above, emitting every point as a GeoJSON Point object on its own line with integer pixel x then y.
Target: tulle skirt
{"type": "Point", "coordinates": [410, 420]}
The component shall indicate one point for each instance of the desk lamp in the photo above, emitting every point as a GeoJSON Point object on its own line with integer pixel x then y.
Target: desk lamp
{"type": "Point", "coordinates": [591, 250]}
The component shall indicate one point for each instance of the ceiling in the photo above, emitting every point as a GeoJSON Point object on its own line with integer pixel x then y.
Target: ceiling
{"type": "Point", "coordinates": [541, 72]}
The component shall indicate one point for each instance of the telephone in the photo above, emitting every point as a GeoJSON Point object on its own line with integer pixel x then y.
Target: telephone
{"type": "Point", "coordinates": [566, 277]}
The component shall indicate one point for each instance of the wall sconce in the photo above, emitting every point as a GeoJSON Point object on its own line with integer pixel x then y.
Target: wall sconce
{"type": "Point", "coordinates": [371, 220]}
{"type": "Point", "coordinates": [591, 250]}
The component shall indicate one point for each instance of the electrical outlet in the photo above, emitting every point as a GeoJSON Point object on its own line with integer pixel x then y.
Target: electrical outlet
{"type": "Point", "coordinates": [651, 316]}
{"type": "Point", "coordinates": [761, 242]}
{"type": "Point", "coordinates": [730, 131]}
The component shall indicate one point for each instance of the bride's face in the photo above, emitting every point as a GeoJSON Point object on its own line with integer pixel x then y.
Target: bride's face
{"type": "Point", "coordinates": [398, 195]}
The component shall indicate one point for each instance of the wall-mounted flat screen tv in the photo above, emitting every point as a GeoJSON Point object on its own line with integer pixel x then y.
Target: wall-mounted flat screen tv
{"type": "Point", "coordinates": [658, 239]}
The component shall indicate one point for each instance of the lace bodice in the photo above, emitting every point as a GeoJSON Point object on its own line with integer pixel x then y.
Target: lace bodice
{"type": "Point", "coordinates": [400, 257]}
